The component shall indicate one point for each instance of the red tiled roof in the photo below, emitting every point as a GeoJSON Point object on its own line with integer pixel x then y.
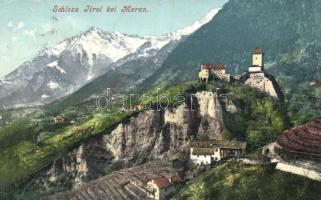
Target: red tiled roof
{"type": "Point", "coordinates": [164, 182]}
{"type": "Point", "coordinates": [213, 66]}
{"type": "Point", "coordinates": [314, 82]}
{"type": "Point", "coordinates": [303, 139]}
{"type": "Point", "coordinates": [255, 66]}
{"type": "Point", "coordinates": [257, 51]}
{"type": "Point", "coordinates": [175, 179]}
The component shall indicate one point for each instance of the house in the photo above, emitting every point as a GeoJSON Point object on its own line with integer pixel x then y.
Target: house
{"type": "Point", "coordinates": [314, 82]}
{"type": "Point", "coordinates": [59, 120]}
{"type": "Point", "coordinates": [212, 71]}
{"type": "Point", "coordinates": [257, 78]}
{"type": "Point", "coordinates": [210, 151]}
{"type": "Point", "coordinates": [161, 187]}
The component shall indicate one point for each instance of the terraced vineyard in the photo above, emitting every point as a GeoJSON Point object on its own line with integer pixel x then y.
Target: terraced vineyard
{"type": "Point", "coordinates": [120, 185]}
{"type": "Point", "coordinates": [304, 139]}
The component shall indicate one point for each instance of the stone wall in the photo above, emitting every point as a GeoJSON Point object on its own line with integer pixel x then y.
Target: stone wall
{"type": "Point", "coordinates": [299, 171]}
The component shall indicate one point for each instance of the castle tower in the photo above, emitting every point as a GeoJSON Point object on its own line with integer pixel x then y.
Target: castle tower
{"type": "Point", "coordinates": [257, 61]}
{"type": "Point", "coordinates": [257, 78]}
{"type": "Point", "coordinates": [257, 57]}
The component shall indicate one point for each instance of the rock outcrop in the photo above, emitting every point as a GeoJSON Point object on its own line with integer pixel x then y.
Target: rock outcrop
{"type": "Point", "coordinates": [87, 162]}
{"type": "Point", "coordinates": [162, 133]}
{"type": "Point", "coordinates": [149, 135]}
{"type": "Point", "coordinates": [264, 83]}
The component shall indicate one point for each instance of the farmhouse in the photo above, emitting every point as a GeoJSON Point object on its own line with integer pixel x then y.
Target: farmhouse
{"type": "Point", "coordinates": [161, 187]}
{"type": "Point", "coordinates": [314, 82]}
{"type": "Point", "coordinates": [210, 151]}
{"type": "Point", "coordinates": [59, 120]}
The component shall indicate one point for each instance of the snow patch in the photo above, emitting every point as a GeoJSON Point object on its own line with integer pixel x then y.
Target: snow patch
{"type": "Point", "coordinates": [112, 45]}
{"type": "Point", "coordinates": [56, 50]}
{"type": "Point", "coordinates": [55, 65]}
{"type": "Point", "coordinates": [44, 96]}
{"type": "Point", "coordinates": [191, 29]}
{"type": "Point", "coordinates": [53, 85]}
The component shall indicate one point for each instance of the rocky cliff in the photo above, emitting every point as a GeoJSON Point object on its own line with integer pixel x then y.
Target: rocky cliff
{"type": "Point", "coordinates": [264, 83]}
{"type": "Point", "coordinates": [149, 135]}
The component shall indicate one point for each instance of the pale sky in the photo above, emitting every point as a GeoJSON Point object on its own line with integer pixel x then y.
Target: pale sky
{"type": "Point", "coordinates": [30, 25]}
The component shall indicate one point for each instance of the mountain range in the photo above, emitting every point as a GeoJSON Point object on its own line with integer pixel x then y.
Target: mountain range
{"type": "Point", "coordinates": [287, 31]}
{"type": "Point", "coordinates": [74, 62]}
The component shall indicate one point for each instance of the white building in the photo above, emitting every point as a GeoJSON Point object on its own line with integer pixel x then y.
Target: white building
{"type": "Point", "coordinates": [208, 152]}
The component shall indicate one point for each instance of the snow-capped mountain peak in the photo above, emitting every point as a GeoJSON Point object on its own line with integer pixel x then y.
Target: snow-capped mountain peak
{"type": "Point", "coordinates": [190, 29]}
{"type": "Point", "coordinates": [96, 42]}
{"type": "Point", "coordinates": [115, 45]}
{"type": "Point", "coordinates": [67, 66]}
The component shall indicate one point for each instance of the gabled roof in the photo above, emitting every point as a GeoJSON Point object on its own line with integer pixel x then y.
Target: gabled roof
{"type": "Point", "coordinates": [257, 51]}
{"type": "Point", "coordinates": [213, 66]}
{"type": "Point", "coordinates": [58, 117]}
{"type": "Point", "coordinates": [164, 182]}
{"type": "Point", "coordinates": [218, 144]}
{"type": "Point", "coordinates": [203, 151]}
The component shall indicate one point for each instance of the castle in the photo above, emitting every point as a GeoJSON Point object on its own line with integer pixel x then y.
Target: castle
{"type": "Point", "coordinates": [256, 77]}
{"type": "Point", "coordinates": [213, 71]}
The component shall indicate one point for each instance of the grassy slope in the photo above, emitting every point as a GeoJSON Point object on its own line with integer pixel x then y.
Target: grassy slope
{"type": "Point", "coordinates": [24, 156]}
{"type": "Point", "coordinates": [20, 155]}
{"type": "Point", "coordinates": [241, 181]}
